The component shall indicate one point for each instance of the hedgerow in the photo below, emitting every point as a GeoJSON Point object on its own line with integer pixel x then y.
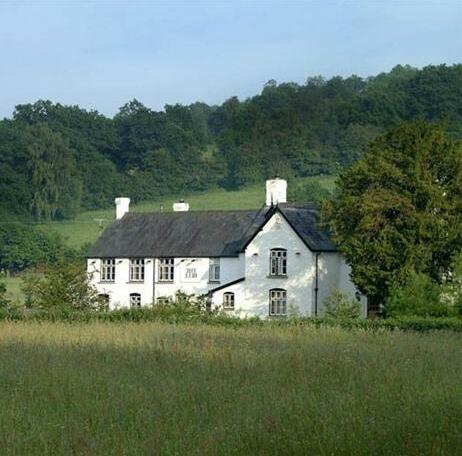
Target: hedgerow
{"type": "Point", "coordinates": [193, 316]}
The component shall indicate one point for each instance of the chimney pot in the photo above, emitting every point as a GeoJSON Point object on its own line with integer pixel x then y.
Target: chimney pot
{"type": "Point", "coordinates": [181, 206]}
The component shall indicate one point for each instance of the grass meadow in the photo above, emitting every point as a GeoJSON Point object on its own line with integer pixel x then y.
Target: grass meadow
{"type": "Point", "coordinates": [149, 388]}
{"type": "Point", "coordinates": [86, 227]}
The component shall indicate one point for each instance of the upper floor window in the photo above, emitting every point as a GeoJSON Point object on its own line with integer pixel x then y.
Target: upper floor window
{"type": "Point", "coordinates": [108, 270]}
{"type": "Point", "coordinates": [136, 269]}
{"type": "Point", "coordinates": [166, 269]}
{"type": "Point", "coordinates": [228, 301]}
{"type": "Point", "coordinates": [214, 270]}
{"type": "Point", "coordinates": [278, 302]}
{"type": "Point", "coordinates": [278, 262]}
{"type": "Point", "coordinates": [135, 300]}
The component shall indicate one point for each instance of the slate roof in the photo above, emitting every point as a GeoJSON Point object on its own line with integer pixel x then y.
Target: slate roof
{"type": "Point", "coordinates": [201, 233]}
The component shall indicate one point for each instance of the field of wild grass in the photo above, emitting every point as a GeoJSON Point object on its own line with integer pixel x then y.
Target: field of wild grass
{"type": "Point", "coordinates": [148, 388]}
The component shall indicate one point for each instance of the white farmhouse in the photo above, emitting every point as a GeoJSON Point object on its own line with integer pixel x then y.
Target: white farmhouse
{"type": "Point", "coordinates": [262, 262]}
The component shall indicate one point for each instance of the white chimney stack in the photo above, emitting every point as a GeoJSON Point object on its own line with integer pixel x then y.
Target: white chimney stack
{"type": "Point", "coordinates": [122, 207]}
{"type": "Point", "coordinates": [276, 191]}
{"type": "Point", "coordinates": [180, 206]}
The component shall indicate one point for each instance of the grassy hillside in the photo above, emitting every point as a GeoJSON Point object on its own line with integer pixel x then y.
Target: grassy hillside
{"type": "Point", "coordinates": [104, 389]}
{"type": "Point", "coordinates": [85, 228]}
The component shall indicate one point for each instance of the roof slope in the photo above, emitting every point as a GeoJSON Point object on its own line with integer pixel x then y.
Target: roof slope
{"type": "Point", "coordinates": [200, 233]}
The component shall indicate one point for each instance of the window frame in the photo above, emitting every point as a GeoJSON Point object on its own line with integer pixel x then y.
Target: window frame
{"type": "Point", "coordinates": [229, 300]}
{"type": "Point", "coordinates": [137, 297]}
{"type": "Point", "coordinates": [214, 266]}
{"type": "Point", "coordinates": [278, 262]}
{"type": "Point", "coordinates": [277, 304]}
{"type": "Point", "coordinates": [136, 270]}
{"type": "Point", "coordinates": [107, 270]}
{"type": "Point", "coordinates": [166, 269]}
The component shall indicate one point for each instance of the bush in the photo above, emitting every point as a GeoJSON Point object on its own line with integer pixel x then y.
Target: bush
{"type": "Point", "coordinates": [339, 305]}
{"type": "Point", "coordinates": [452, 287]}
{"type": "Point", "coordinates": [419, 296]}
{"type": "Point", "coordinates": [63, 288]}
{"type": "Point", "coordinates": [4, 302]}
{"type": "Point", "coordinates": [311, 191]}
{"type": "Point", "coordinates": [23, 246]}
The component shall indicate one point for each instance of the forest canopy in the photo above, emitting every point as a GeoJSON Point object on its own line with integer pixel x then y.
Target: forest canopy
{"type": "Point", "coordinates": [57, 160]}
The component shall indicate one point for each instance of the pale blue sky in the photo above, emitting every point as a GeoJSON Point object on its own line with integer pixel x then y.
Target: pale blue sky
{"type": "Point", "coordinates": [101, 54]}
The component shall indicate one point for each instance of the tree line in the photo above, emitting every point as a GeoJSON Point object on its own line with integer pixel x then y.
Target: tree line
{"type": "Point", "coordinates": [57, 160]}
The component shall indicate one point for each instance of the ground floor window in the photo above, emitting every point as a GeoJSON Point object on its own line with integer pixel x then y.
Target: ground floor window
{"type": "Point", "coordinates": [135, 300]}
{"type": "Point", "coordinates": [278, 302]}
{"type": "Point", "coordinates": [104, 300]}
{"type": "Point", "coordinates": [228, 301]}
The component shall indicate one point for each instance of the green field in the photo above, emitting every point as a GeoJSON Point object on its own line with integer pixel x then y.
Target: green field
{"type": "Point", "coordinates": [85, 228]}
{"type": "Point", "coordinates": [134, 389]}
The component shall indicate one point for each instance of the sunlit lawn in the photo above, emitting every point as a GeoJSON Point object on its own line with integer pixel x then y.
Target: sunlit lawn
{"type": "Point", "coordinates": [132, 389]}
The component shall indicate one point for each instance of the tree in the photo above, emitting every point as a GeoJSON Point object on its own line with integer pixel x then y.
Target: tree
{"type": "Point", "coordinates": [55, 186]}
{"type": "Point", "coordinates": [399, 208]}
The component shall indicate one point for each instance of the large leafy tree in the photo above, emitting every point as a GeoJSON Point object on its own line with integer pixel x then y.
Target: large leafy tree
{"type": "Point", "coordinates": [399, 208]}
{"type": "Point", "coordinates": [54, 183]}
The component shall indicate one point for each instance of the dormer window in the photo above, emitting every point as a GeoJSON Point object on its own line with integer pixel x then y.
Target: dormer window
{"type": "Point", "coordinates": [278, 262]}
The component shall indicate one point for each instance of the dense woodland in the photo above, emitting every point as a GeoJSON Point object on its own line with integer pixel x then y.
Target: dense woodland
{"type": "Point", "coordinates": [57, 160]}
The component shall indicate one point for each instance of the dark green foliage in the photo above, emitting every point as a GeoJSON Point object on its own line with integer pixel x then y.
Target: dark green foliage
{"type": "Point", "coordinates": [305, 192]}
{"type": "Point", "coordinates": [340, 306]}
{"type": "Point", "coordinates": [419, 296]}
{"type": "Point", "coordinates": [289, 129]}
{"type": "Point", "coordinates": [4, 302]}
{"type": "Point", "coordinates": [63, 288]}
{"type": "Point", "coordinates": [399, 209]}
{"type": "Point", "coordinates": [23, 246]}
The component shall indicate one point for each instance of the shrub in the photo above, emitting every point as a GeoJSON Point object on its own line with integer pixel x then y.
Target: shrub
{"type": "Point", "coordinates": [4, 302]}
{"type": "Point", "coordinates": [23, 246]}
{"type": "Point", "coordinates": [64, 287]}
{"type": "Point", "coordinates": [311, 191]}
{"type": "Point", "coordinates": [452, 287]}
{"type": "Point", "coordinates": [419, 296]}
{"type": "Point", "coordinates": [339, 305]}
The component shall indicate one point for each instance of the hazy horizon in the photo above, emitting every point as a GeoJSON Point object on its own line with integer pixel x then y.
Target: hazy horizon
{"type": "Point", "coordinates": [100, 55]}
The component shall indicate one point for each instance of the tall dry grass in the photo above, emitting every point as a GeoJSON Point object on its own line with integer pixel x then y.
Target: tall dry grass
{"type": "Point", "coordinates": [146, 388]}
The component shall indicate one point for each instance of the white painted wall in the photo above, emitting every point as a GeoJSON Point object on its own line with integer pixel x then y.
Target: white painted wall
{"type": "Point", "coordinates": [252, 295]}
{"type": "Point", "coordinates": [232, 268]}
{"type": "Point", "coordinates": [119, 290]}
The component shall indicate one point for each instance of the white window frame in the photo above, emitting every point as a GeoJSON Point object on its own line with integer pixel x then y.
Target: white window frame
{"type": "Point", "coordinates": [278, 262]}
{"type": "Point", "coordinates": [107, 273]}
{"type": "Point", "coordinates": [135, 300]}
{"type": "Point", "coordinates": [228, 300]}
{"type": "Point", "coordinates": [137, 270]}
{"type": "Point", "coordinates": [214, 269]}
{"type": "Point", "coordinates": [166, 269]}
{"type": "Point", "coordinates": [278, 302]}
